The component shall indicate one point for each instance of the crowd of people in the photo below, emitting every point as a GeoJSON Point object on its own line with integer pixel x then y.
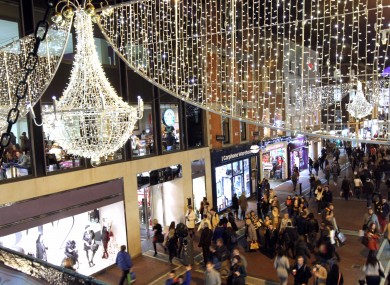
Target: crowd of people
{"type": "Point", "coordinates": [287, 233]}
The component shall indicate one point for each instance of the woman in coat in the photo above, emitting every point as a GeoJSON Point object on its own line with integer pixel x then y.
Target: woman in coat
{"type": "Point", "coordinates": [372, 270]}
{"type": "Point", "coordinates": [251, 233]}
{"type": "Point", "coordinates": [373, 238]}
{"type": "Point", "coordinates": [282, 266]}
{"type": "Point", "coordinates": [190, 220]}
{"type": "Point", "coordinates": [172, 244]}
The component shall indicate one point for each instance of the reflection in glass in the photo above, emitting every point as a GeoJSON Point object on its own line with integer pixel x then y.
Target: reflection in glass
{"type": "Point", "coordinates": [142, 141]}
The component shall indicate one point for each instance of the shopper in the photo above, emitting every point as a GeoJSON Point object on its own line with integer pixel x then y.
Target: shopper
{"type": "Point", "coordinates": [301, 272]}
{"type": "Point", "coordinates": [157, 229]}
{"type": "Point", "coordinates": [190, 221]}
{"type": "Point", "coordinates": [235, 205]}
{"type": "Point", "coordinates": [186, 279]}
{"type": "Point", "coordinates": [212, 276]}
{"type": "Point", "coordinates": [172, 280]}
{"type": "Point", "coordinates": [320, 274]}
{"type": "Point", "coordinates": [205, 242]}
{"type": "Point", "coordinates": [243, 202]}
{"type": "Point", "coordinates": [334, 276]}
{"type": "Point", "coordinates": [373, 270]}
{"type": "Point", "coordinates": [282, 266]}
{"type": "Point", "coordinates": [124, 262]}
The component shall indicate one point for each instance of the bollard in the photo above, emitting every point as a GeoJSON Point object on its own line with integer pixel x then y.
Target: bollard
{"type": "Point", "coordinates": [300, 189]}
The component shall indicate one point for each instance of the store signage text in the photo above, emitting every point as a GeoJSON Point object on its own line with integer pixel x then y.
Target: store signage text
{"type": "Point", "coordinates": [220, 137]}
{"type": "Point", "coordinates": [236, 155]}
{"type": "Point", "coordinates": [274, 146]}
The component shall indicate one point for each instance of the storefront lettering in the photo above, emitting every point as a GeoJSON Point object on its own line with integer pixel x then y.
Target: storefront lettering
{"type": "Point", "coordinates": [236, 155]}
{"type": "Point", "coordinates": [274, 146]}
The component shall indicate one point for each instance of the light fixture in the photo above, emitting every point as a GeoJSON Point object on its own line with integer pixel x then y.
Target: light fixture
{"type": "Point", "coordinates": [252, 69]}
{"type": "Point", "coordinates": [89, 119]}
{"type": "Point", "coordinates": [254, 148]}
{"type": "Point", "coordinates": [359, 107]}
{"type": "Point", "coordinates": [14, 54]}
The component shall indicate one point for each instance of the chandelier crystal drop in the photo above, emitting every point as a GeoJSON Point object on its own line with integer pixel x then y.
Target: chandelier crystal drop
{"type": "Point", "coordinates": [90, 119]}
{"type": "Point", "coordinates": [359, 107]}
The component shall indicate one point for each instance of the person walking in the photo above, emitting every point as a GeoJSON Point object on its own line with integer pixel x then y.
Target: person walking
{"type": "Point", "coordinates": [205, 242]}
{"type": "Point", "coordinates": [282, 266]}
{"type": "Point", "coordinates": [124, 262]}
{"type": "Point", "coordinates": [345, 188]}
{"type": "Point", "coordinates": [311, 164]}
{"type": "Point", "coordinates": [212, 276]}
{"type": "Point", "coordinates": [373, 270]}
{"type": "Point", "coordinates": [157, 229]}
{"type": "Point", "coordinates": [190, 221]}
{"type": "Point", "coordinates": [320, 274]}
{"type": "Point", "coordinates": [294, 179]}
{"type": "Point", "coordinates": [243, 202]}
{"type": "Point", "coordinates": [301, 272]}
{"type": "Point", "coordinates": [235, 205]}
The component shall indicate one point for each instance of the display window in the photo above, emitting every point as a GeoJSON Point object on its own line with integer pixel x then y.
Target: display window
{"type": "Point", "coordinates": [299, 159]}
{"type": "Point", "coordinates": [90, 240]}
{"type": "Point", "coordinates": [232, 178]}
{"type": "Point", "coordinates": [274, 164]}
{"type": "Point", "coordinates": [199, 191]}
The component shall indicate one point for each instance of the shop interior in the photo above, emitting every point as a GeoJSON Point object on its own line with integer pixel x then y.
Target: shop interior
{"type": "Point", "coordinates": [54, 237]}
{"type": "Point", "coordinates": [274, 163]}
{"type": "Point", "coordinates": [232, 178]}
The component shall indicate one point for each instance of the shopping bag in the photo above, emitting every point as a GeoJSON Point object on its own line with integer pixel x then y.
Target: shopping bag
{"type": "Point", "coordinates": [341, 237]}
{"type": "Point", "coordinates": [254, 245]}
{"type": "Point", "coordinates": [361, 233]}
{"type": "Point", "coordinates": [130, 277]}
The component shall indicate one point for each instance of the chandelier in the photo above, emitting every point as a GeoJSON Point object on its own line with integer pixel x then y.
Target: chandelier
{"type": "Point", "coordinates": [90, 119]}
{"type": "Point", "coordinates": [359, 107]}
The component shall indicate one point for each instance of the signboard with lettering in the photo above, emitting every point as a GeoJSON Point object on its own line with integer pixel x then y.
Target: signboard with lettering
{"type": "Point", "coordinates": [220, 137]}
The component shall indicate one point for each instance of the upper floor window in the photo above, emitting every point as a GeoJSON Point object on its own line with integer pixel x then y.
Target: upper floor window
{"type": "Point", "coordinates": [170, 127]}
{"type": "Point", "coordinates": [226, 129]}
{"type": "Point", "coordinates": [243, 131]}
{"type": "Point", "coordinates": [9, 32]}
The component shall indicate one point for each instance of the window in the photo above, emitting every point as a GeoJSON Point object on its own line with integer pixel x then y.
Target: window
{"type": "Point", "coordinates": [243, 131]}
{"type": "Point", "coordinates": [226, 129]}
{"type": "Point", "coordinates": [142, 141]}
{"type": "Point", "coordinates": [105, 52]}
{"type": "Point", "coordinates": [194, 126]}
{"type": "Point", "coordinates": [9, 32]}
{"type": "Point", "coordinates": [170, 127]}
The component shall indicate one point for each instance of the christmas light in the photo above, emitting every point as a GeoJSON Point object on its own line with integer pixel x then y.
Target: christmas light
{"type": "Point", "coordinates": [359, 108]}
{"type": "Point", "coordinates": [250, 59]}
{"type": "Point", "coordinates": [89, 119]}
{"type": "Point", "coordinates": [12, 57]}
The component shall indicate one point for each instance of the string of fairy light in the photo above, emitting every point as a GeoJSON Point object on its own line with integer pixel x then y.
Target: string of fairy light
{"type": "Point", "coordinates": [279, 64]}
{"type": "Point", "coordinates": [12, 57]}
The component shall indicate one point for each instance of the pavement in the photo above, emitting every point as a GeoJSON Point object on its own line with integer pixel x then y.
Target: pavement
{"type": "Point", "coordinates": [349, 216]}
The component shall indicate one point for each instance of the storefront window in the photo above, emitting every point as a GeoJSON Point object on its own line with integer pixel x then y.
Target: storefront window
{"type": "Point", "coordinates": [232, 178]}
{"type": "Point", "coordinates": [142, 141]}
{"type": "Point", "coordinates": [66, 238]}
{"type": "Point", "coordinates": [170, 127]}
{"type": "Point", "coordinates": [226, 129]}
{"type": "Point", "coordinates": [274, 162]}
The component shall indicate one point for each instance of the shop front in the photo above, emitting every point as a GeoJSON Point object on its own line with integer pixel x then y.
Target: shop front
{"type": "Point", "coordinates": [274, 163]}
{"type": "Point", "coordinates": [55, 226]}
{"type": "Point", "coordinates": [232, 174]}
{"type": "Point", "coordinates": [299, 154]}
{"type": "Point", "coordinates": [159, 197]}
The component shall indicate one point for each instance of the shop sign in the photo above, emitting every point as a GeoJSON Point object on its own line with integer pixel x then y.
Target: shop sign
{"type": "Point", "coordinates": [232, 156]}
{"type": "Point", "coordinates": [274, 146]}
{"type": "Point", "coordinates": [220, 137]}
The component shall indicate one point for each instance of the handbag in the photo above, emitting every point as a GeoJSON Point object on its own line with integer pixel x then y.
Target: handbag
{"type": "Point", "coordinates": [341, 237]}
{"type": "Point", "coordinates": [361, 233]}
{"type": "Point", "coordinates": [130, 277]}
{"type": "Point", "coordinates": [160, 238]}
{"type": "Point", "coordinates": [254, 245]}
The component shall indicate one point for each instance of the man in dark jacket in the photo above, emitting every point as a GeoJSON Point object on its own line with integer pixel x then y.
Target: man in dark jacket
{"type": "Point", "coordinates": [205, 242]}
{"type": "Point", "coordinates": [301, 272]}
{"type": "Point", "coordinates": [368, 188]}
{"type": "Point", "coordinates": [124, 262]}
{"type": "Point", "coordinates": [312, 229]}
{"type": "Point", "coordinates": [345, 187]}
{"type": "Point", "coordinates": [289, 237]}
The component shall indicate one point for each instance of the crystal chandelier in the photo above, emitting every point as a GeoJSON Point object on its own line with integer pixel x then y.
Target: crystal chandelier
{"type": "Point", "coordinates": [90, 119]}
{"type": "Point", "coordinates": [359, 107]}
